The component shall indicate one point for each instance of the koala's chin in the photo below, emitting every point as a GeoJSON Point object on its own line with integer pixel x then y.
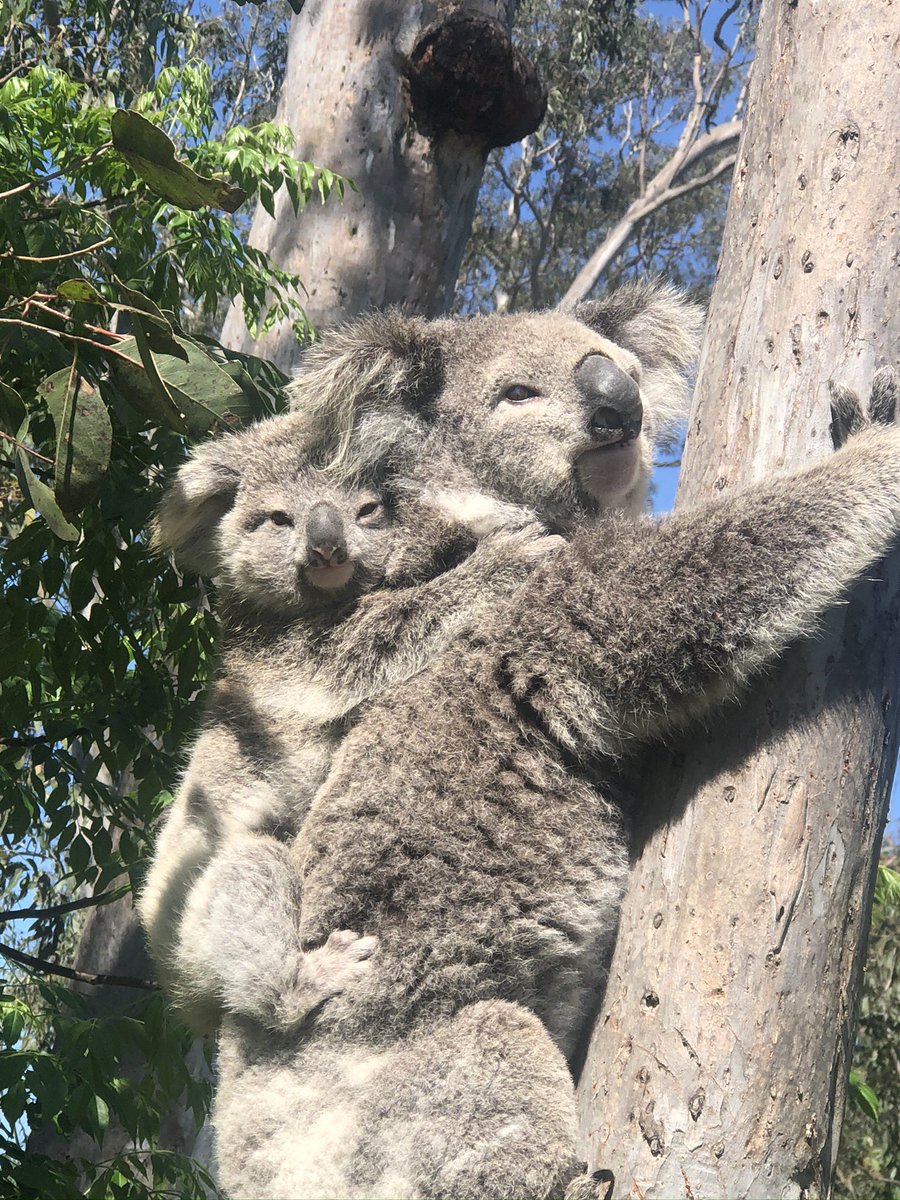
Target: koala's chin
{"type": "Point", "coordinates": [610, 472]}
{"type": "Point", "coordinates": [329, 579]}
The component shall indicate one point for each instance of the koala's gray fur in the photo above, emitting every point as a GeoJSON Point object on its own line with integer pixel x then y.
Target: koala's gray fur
{"type": "Point", "coordinates": [474, 820]}
{"type": "Point", "coordinates": [326, 599]}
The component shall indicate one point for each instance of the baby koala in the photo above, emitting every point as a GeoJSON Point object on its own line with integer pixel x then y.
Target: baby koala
{"type": "Point", "coordinates": [328, 594]}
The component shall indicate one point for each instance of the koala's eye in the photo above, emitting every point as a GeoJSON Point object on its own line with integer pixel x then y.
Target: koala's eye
{"type": "Point", "coordinates": [518, 393]}
{"type": "Point", "coordinates": [280, 518]}
{"type": "Point", "coordinates": [370, 510]}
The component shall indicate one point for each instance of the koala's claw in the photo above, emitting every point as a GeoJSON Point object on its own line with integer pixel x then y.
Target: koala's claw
{"type": "Point", "coordinates": [342, 961]}
{"type": "Point", "coordinates": [594, 1185]}
{"type": "Point", "coordinates": [320, 974]}
{"type": "Point", "coordinates": [884, 397]}
{"type": "Point", "coordinates": [847, 415]}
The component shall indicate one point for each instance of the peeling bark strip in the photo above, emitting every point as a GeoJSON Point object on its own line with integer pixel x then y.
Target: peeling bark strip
{"type": "Point", "coordinates": [747, 913]}
{"type": "Point", "coordinates": [466, 76]}
{"type": "Point", "coordinates": [405, 99]}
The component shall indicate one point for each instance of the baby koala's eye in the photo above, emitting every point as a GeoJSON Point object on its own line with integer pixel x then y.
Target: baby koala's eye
{"type": "Point", "coordinates": [280, 518]}
{"type": "Point", "coordinates": [518, 393]}
{"type": "Point", "coordinates": [370, 510]}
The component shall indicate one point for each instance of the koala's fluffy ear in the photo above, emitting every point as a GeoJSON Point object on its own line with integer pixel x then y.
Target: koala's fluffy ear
{"type": "Point", "coordinates": [195, 501]}
{"type": "Point", "coordinates": [364, 388]}
{"type": "Point", "coordinates": [662, 327]}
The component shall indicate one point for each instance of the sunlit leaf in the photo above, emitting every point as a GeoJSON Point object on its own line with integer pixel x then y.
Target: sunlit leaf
{"type": "Point", "coordinates": [151, 154]}
{"type": "Point", "coordinates": [863, 1096]}
{"type": "Point", "coordinates": [79, 290]}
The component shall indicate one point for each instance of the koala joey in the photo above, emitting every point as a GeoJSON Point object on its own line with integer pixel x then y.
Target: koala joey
{"type": "Point", "coordinates": [474, 820]}
{"type": "Point", "coordinates": [328, 593]}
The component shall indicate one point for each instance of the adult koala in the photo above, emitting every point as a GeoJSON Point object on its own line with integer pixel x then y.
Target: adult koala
{"type": "Point", "coordinates": [474, 820]}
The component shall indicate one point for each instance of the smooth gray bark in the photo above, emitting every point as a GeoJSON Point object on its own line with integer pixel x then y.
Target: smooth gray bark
{"type": "Point", "coordinates": [406, 100]}
{"type": "Point", "coordinates": [718, 1064]}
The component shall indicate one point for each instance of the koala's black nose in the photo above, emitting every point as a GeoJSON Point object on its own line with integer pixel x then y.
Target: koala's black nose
{"type": "Point", "coordinates": [325, 541]}
{"type": "Point", "coordinates": [614, 399]}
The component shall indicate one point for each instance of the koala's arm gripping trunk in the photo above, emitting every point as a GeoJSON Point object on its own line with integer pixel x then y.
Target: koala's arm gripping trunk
{"type": "Point", "coordinates": [634, 630]}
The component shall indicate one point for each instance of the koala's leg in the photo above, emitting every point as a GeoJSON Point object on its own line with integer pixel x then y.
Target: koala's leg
{"type": "Point", "coordinates": [219, 796]}
{"type": "Point", "coordinates": [239, 934]}
{"type": "Point", "coordinates": [186, 842]}
{"type": "Point", "coordinates": [478, 1107]}
{"type": "Point", "coordinates": [639, 628]}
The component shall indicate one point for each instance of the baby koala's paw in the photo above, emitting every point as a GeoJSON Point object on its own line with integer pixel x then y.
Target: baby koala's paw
{"type": "Point", "coordinates": [338, 966]}
{"type": "Point", "coordinates": [848, 418]}
{"type": "Point", "coordinates": [341, 962]}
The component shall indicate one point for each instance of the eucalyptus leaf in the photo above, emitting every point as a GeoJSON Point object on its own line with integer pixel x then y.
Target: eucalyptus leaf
{"type": "Point", "coordinates": [864, 1097]}
{"type": "Point", "coordinates": [173, 414]}
{"type": "Point", "coordinates": [80, 291]}
{"type": "Point", "coordinates": [12, 408]}
{"type": "Point", "coordinates": [41, 498]}
{"type": "Point", "coordinates": [151, 154]}
{"type": "Point", "coordinates": [83, 437]}
{"type": "Point", "coordinates": [155, 324]}
{"type": "Point", "coordinates": [202, 392]}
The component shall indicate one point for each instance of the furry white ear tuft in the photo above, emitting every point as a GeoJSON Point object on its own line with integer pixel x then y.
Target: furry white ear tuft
{"type": "Point", "coordinates": [193, 505]}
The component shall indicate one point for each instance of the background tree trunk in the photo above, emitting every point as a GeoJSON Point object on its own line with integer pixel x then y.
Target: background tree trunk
{"type": "Point", "coordinates": [406, 100]}
{"type": "Point", "coordinates": [718, 1064]}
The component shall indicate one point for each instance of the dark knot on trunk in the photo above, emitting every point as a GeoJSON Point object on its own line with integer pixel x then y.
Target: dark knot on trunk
{"type": "Point", "coordinates": [466, 76]}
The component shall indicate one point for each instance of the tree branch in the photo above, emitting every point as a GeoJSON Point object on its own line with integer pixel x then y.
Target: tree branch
{"type": "Point", "coordinates": [48, 968]}
{"type": "Point", "coordinates": [59, 910]}
{"type": "Point", "coordinates": [658, 193]}
{"type": "Point", "coordinates": [59, 257]}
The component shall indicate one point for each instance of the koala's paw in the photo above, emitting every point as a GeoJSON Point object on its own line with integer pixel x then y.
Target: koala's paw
{"type": "Point", "coordinates": [338, 966]}
{"type": "Point", "coordinates": [591, 1185]}
{"type": "Point", "coordinates": [529, 544]}
{"type": "Point", "coordinates": [848, 417]}
{"type": "Point", "coordinates": [342, 961]}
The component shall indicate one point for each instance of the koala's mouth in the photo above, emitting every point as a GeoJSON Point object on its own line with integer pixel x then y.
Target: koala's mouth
{"type": "Point", "coordinates": [606, 472]}
{"type": "Point", "coordinates": [332, 577]}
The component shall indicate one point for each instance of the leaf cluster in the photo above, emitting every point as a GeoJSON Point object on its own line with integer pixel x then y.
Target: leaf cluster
{"type": "Point", "coordinates": [868, 1163]}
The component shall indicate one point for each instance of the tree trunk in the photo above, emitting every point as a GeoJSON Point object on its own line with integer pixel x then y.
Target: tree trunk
{"type": "Point", "coordinates": [406, 100]}
{"type": "Point", "coordinates": [719, 1061]}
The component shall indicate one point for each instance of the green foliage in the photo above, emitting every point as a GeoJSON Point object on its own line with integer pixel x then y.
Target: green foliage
{"type": "Point", "coordinates": [118, 175]}
{"type": "Point", "coordinates": [868, 1164]}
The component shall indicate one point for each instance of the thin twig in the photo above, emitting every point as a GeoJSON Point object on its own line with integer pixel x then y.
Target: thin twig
{"type": "Point", "coordinates": [72, 337]}
{"type": "Point", "coordinates": [59, 910]}
{"type": "Point", "coordinates": [21, 446]}
{"type": "Point", "coordinates": [110, 333]}
{"type": "Point", "coordinates": [48, 968]}
{"type": "Point", "coordinates": [58, 257]}
{"type": "Point", "coordinates": [82, 162]}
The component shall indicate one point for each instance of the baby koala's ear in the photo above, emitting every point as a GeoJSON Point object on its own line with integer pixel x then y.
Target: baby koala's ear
{"type": "Point", "coordinates": [194, 503]}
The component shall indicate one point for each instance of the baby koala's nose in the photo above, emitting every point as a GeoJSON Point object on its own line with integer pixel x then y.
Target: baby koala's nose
{"type": "Point", "coordinates": [326, 545]}
{"type": "Point", "coordinates": [324, 555]}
